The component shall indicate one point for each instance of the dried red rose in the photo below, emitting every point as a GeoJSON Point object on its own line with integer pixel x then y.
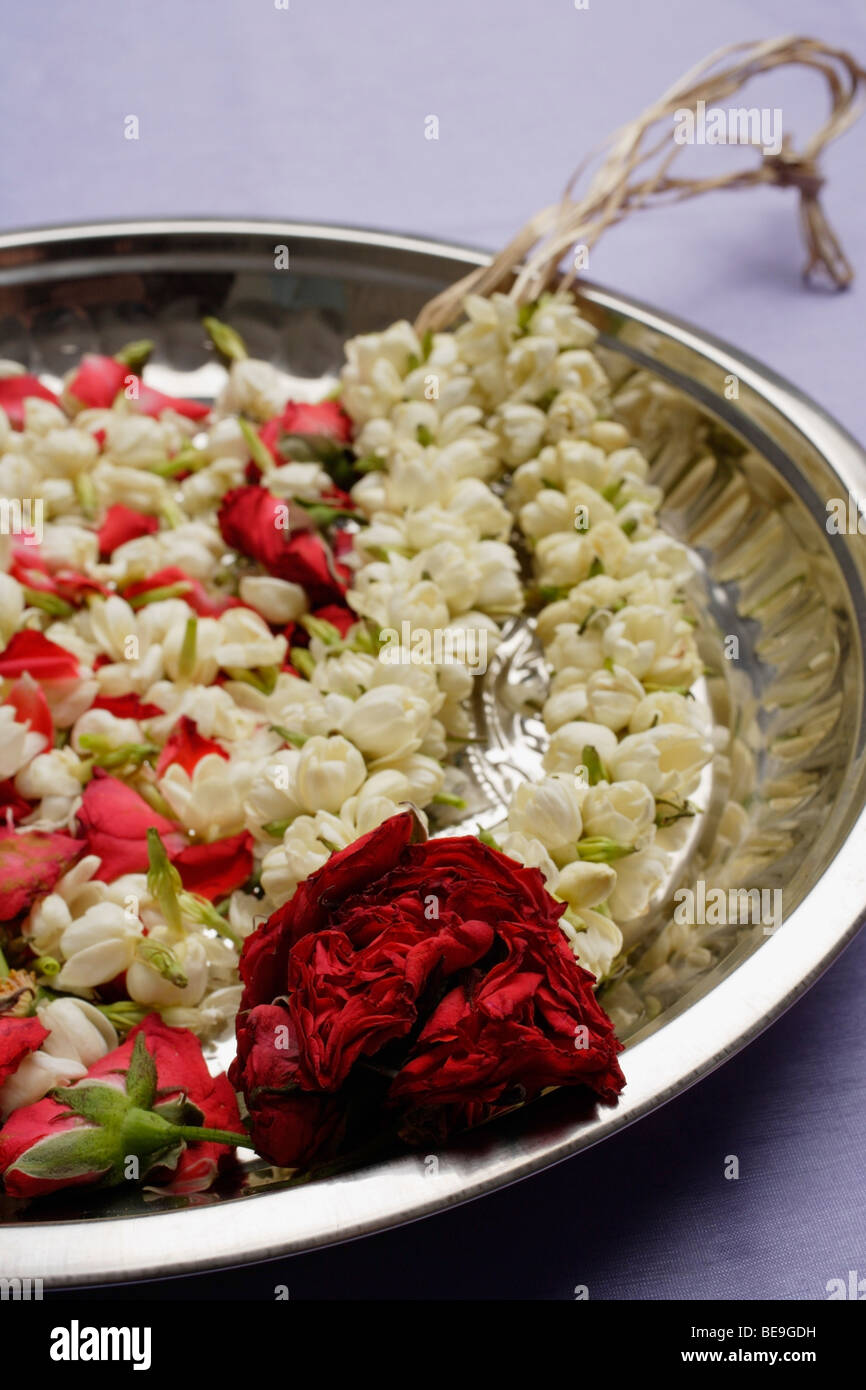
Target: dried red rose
{"type": "Point", "coordinates": [440, 966]}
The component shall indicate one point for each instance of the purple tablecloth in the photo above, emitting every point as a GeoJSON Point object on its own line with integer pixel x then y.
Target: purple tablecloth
{"type": "Point", "coordinates": [318, 112]}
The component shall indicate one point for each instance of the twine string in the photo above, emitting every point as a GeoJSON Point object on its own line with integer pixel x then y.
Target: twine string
{"type": "Point", "coordinates": [634, 174]}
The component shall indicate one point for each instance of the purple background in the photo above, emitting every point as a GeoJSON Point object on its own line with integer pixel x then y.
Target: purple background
{"type": "Point", "coordinates": [318, 113]}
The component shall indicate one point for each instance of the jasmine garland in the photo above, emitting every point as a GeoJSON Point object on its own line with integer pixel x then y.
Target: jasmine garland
{"type": "Point", "coordinates": [201, 645]}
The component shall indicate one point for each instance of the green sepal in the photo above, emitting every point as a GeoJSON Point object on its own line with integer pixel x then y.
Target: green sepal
{"type": "Point", "coordinates": [141, 1075]}
{"type": "Point", "coordinates": [75, 1153]}
{"type": "Point", "coordinates": [92, 1100]}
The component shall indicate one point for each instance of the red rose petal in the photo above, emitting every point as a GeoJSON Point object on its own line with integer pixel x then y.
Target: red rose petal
{"type": "Point", "coordinates": [15, 390]}
{"type": "Point", "coordinates": [122, 524]}
{"type": "Point", "coordinates": [187, 746]}
{"type": "Point", "coordinates": [213, 870]}
{"type": "Point", "coordinates": [98, 381]}
{"type": "Point", "coordinates": [31, 862]}
{"type": "Point", "coordinates": [115, 820]}
{"type": "Point", "coordinates": [18, 1038]}
{"type": "Point", "coordinates": [31, 707]}
{"type": "Point", "coordinates": [32, 653]}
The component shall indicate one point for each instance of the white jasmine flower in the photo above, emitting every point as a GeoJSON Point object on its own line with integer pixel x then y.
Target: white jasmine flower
{"type": "Point", "coordinates": [389, 721]}
{"type": "Point", "coordinates": [34, 1077]}
{"type": "Point", "coordinates": [210, 801]}
{"type": "Point", "coordinates": [549, 811]}
{"type": "Point", "coordinates": [582, 885]}
{"type": "Point", "coordinates": [96, 946]}
{"type": "Point", "coordinates": [565, 752]}
{"type": "Point", "coordinates": [596, 943]}
{"type": "Point", "coordinates": [667, 759]}
{"type": "Point", "coordinates": [147, 985]}
{"type": "Point", "coordinates": [254, 388]}
{"type": "Point", "coordinates": [530, 852]}
{"type": "Point", "coordinates": [622, 811]}
{"type": "Point", "coordinates": [328, 772]}
{"type": "Point", "coordinates": [77, 1030]}
{"type": "Point", "coordinates": [18, 745]}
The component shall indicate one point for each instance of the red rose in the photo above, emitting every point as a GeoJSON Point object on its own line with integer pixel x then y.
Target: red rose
{"type": "Point", "coordinates": [254, 522]}
{"type": "Point", "coordinates": [121, 524]}
{"type": "Point", "coordinates": [15, 390]}
{"type": "Point", "coordinates": [530, 1022]}
{"type": "Point", "coordinates": [18, 1038]}
{"type": "Point", "coordinates": [449, 943]}
{"type": "Point", "coordinates": [148, 1099]}
{"type": "Point", "coordinates": [31, 862]}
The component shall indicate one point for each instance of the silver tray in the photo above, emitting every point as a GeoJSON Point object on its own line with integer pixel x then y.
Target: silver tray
{"type": "Point", "coordinates": [746, 480]}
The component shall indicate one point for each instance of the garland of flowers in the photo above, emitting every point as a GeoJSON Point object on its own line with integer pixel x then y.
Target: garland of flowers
{"type": "Point", "coordinates": [197, 707]}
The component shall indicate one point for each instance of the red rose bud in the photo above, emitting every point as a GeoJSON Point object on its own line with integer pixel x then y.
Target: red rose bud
{"type": "Point", "coordinates": [31, 862]}
{"type": "Point", "coordinates": [122, 524]}
{"type": "Point", "coordinates": [261, 526]}
{"type": "Point", "coordinates": [15, 390]}
{"type": "Point", "coordinates": [149, 1109]}
{"type": "Point", "coordinates": [357, 961]}
{"type": "Point", "coordinates": [18, 1038]}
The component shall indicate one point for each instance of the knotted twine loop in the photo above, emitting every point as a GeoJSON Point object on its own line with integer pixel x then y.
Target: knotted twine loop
{"type": "Point", "coordinates": [634, 174]}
